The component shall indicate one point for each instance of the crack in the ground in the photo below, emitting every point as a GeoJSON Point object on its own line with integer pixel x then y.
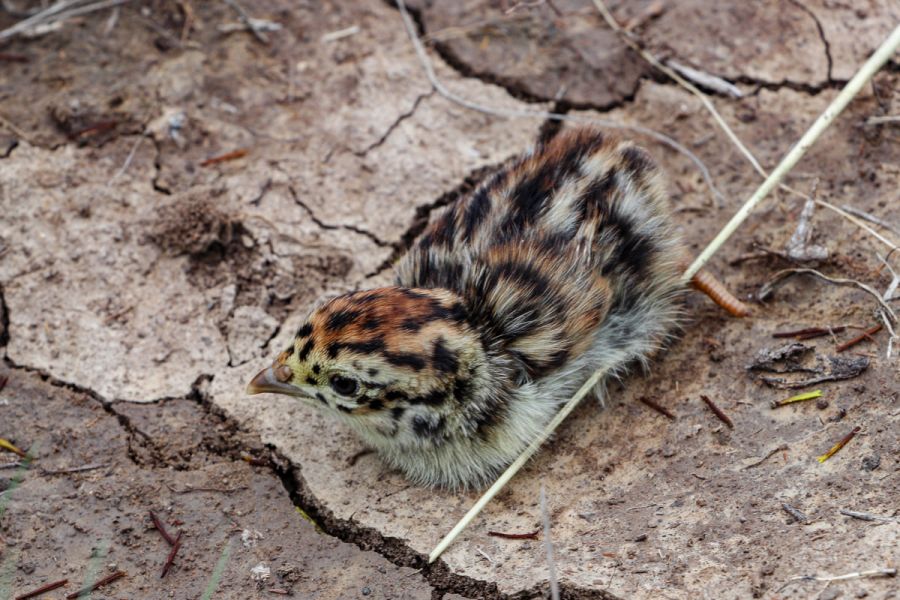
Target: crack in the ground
{"type": "Point", "coordinates": [4, 319]}
{"type": "Point", "coordinates": [131, 431]}
{"type": "Point", "coordinates": [423, 213]}
{"type": "Point", "coordinates": [402, 117]}
{"type": "Point", "coordinates": [395, 550]}
{"type": "Point", "coordinates": [518, 91]}
{"type": "Point", "coordinates": [821, 31]}
{"type": "Point", "coordinates": [157, 168]}
{"type": "Point", "coordinates": [9, 149]}
{"type": "Point", "coordinates": [323, 225]}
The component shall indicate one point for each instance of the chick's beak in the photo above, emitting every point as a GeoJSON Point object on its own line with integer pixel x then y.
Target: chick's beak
{"type": "Point", "coordinates": [274, 379]}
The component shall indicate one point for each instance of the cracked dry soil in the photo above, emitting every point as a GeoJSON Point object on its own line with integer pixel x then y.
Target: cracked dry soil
{"type": "Point", "coordinates": [138, 294]}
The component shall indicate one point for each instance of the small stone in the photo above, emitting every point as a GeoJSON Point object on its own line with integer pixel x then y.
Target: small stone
{"type": "Point", "coordinates": [366, 591]}
{"type": "Point", "coordinates": [641, 538]}
{"type": "Point", "coordinates": [870, 463]}
{"type": "Point", "coordinates": [840, 414]}
{"type": "Point", "coordinates": [830, 594]}
{"type": "Point", "coordinates": [821, 403]}
{"type": "Point", "coordinates": [668, 452]}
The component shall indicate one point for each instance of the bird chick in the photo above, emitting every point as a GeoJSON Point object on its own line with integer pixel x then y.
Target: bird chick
{"type": "Point", "coordinates": [562, 263]}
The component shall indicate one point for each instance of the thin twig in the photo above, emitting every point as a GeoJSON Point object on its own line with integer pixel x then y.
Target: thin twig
{"type": "Point", "coordinates": [233, 155]}
{"type": "Point", "coordinates": [162, 530]}
{"type": "Point", "coordinates": [864, 516]}
{"type": "Point", "coordinates": [865, 335]}
{"type": "Point", "coordinates": [809, 333]}
{"type": "Point", "coordinates": [852, 219]}
{"type": "Point", "coordinates": [766, 457]}
{"type": "Point", "coordinates": [795, 512]}
{"type": "Point", "coordinates": [43, 589]}
{"type": "Point", "coordinates": [889, 572]}
{"type": "Point", "coordinates": [248, 21]}
{"type": "Point", "coordinates": [883, 120]}
{"type": "Point", "coordinates": [517, 113]}
{"type": "Point", "coordinates": [843, 442]}
{"type": "Point", "coordinates": [718, 412]}
{"type": "Point", "coordinates": [548, 544]}
{"type": "Point", "coordinates": [56, 13]}
{"type": "Point", "coordinates": [531, 535]}
{"type": "Point", "coordinates": [657, 407]}
{"type": "Point", "coordinates": [870, 218]}
{"type": "Point", "coordinates": [99, 584]}
{"type": "Point", "coordinates": [171, 557]}
{"type": "Point", "coordinates": [128, 160]}
{"type": "Point", "coordinates": [81, 469]}
{"type": "Point", "coordinates": [780, 276]}
{"type": "Point", "coordinates": [713, 82]}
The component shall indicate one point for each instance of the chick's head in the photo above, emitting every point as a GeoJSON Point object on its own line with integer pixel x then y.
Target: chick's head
{"type": "Point", "coordinates": [395, 357]}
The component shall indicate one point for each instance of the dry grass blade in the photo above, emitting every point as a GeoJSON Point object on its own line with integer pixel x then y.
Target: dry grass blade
{"type": "Point", "coordinates": [58, 12]}
{"type": "Point", "coordinates": [780, 276]}
{"type": "Point", "coordinates": [889, 572]}
{"type": "Point", "coordinates": [548, 544]}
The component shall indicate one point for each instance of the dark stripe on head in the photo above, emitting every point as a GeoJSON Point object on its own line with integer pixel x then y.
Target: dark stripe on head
{"type": "Point", "coordinates": [312, 381]}
{"type": "Point", "coordinates": [376, 404]}
{"type": "Point", "coordinates": [368, 347]}
{"type": "Point", "coordinates": [305, 330]}
{"type": "Point", "coordinates": [306, 349]}
{"type": "Point", "coordinates": [363, 298]}
{"type": "Point", "coordinates": [411, 324]}
{"type": "Point", "coordinates": [397, 412]}
{"type": "Point", "coordinates": [340, 319]}
{"type": "Point", "coordinates": [395, 395]}
{"type": "Point", "coordinates": [344, 409]}
{"type": "Point", "coordinates": [444, 360]}
{"type": "Point", "coordinates": [405, 359]}
{"type": "Point", "coordinates": [316, 369]}
{"type": "Point", "coordinates": [321, 398]}
{"type": "Point", "coordinates": [371, 323]}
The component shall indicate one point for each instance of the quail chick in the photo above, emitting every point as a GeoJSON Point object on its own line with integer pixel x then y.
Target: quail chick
{"type": "Point", "coordinates": [561, 263]}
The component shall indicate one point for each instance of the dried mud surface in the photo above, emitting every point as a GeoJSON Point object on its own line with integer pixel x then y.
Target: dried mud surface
{"type": "Point", "coordinates": [145, 275]}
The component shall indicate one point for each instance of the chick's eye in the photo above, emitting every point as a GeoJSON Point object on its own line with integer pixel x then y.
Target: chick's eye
{"type": "Point", "coordinates": [343, 385]}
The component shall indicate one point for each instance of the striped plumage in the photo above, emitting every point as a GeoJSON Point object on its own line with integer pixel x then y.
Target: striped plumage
{"type": "Point", "coordinates": [559, 264]}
